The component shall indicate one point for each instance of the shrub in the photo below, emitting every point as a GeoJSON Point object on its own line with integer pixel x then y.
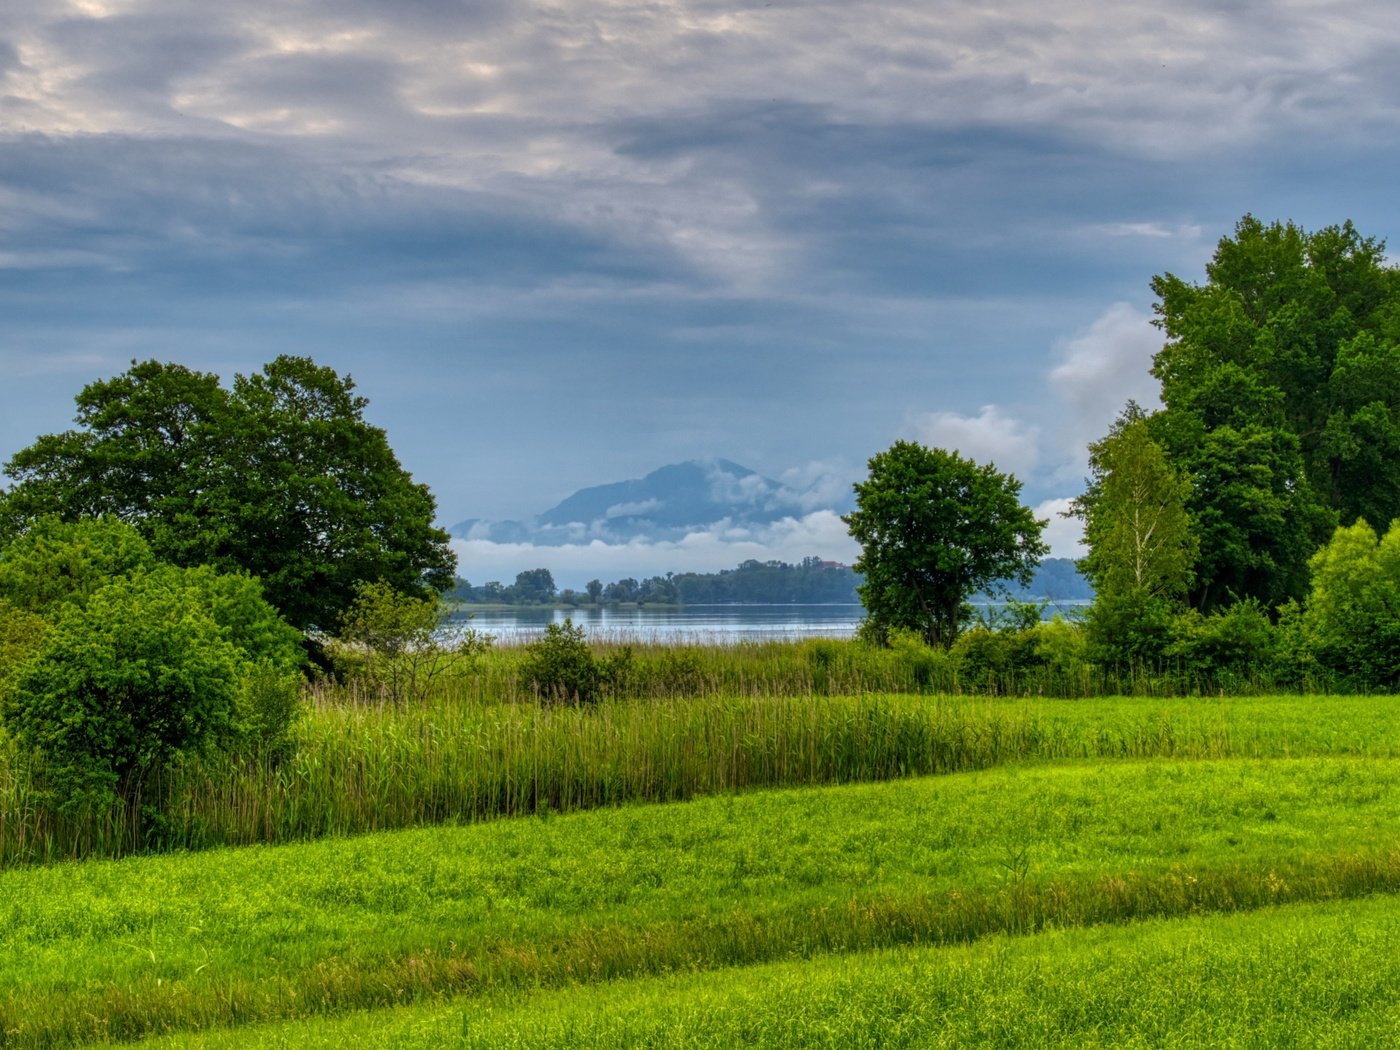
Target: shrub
{"type": "Point", "coordinates": [1061, 646]}
{"type": "Point", "coordinates": [1353, 610]}
{"type": "Point", "coordinates": [123, 685]}
{"type": "Point", "coordinates": [995, 661]}
{"type": "Point", "coordinates": [152, 667]}
{"type": "Point", "coordinates": [1129, 630]}
{"type": "Point", "coordinates": [618, 671]}
{"type": "Point", "coordinates": [560, 667]}
{"type": "Point", "coordinates": [1228, 647]}
{"type": "Point", "coordinates": [929, 667]}
{"type": "Point", "coordinates": [56, 563]}
{"type": "Point", "coordinates": [406, 643]}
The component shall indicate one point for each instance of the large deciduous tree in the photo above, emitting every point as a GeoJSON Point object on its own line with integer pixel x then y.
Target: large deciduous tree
{"type": "Point", "coordinates": [934, 529]}
{"type": "Point", "coordinates": [1281, 385]}
{"type": "Point", "coordinates": [280, 476]}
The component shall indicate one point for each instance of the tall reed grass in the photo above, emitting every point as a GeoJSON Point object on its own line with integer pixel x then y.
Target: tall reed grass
{"type": "Point", "coordinates": [363, 767]}
{"type": "Point", "coordinates": [1048, 662]}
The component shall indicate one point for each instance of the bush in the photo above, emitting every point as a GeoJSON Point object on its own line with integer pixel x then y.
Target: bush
{"type": "Point", "coordinates": [930, 668]}
{"type": "Point", "coordinates": [152, 667]}
{"type": "Point", "coordinates": [560, 667]}
{"type": "Point", "coordinates": [1353, 611]}
{"type": "Point", "coordinates": [405, 643]}
{"type": "Point", "coordinates": [1129, 631]}
{"type": "Point", "coordinates": [123, 685]}
{"type": "Point", "coordinates": [56, 563]}
{"type": "Point", "coordinates": [1061, 646]}
{"type": "Point", "coordinates": [1227, 648]}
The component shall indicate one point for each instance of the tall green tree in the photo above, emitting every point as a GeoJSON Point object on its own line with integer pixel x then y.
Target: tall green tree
{"type": "Point", "coordinates": [1142, 547]}
{"type": "Point", "coordinates": [1281, 385]}
{"type": "Point", "coordinates": [1136, 524]}
{"type": "Point", "coordinates": [535, 586]}
{"type": "Point", "coordinates": [934, 529]}
{"type": "Point", "coordinates": [280, 476]}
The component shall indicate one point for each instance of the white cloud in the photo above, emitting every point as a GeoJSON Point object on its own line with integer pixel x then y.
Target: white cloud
{"type": "Point", "coordinates": [726, 487]}
{"type": "Point", "coordinates": [634, 509]}
{"type": "Point", "coordinates": [822, 534]}
{"type": "Point", "coordinates": [988, 437]}
{"type": "Point", "coordinates": [1100, 369]}
{"type": "Point", "coordinates": [1065, 535]}
{"type": "Point", "coordinates": [820, 484]}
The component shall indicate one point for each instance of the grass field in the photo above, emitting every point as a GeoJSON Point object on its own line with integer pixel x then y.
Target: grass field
{"type": "Point", "coordinates": [496, 911]}
{"type": "Point", "coordinates": [760, 866]}
{"type": "Point", "coordinates": [1314, 975]}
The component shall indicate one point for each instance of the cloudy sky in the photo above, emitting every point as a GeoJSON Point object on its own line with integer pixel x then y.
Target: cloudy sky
{"type": "Point", "coordinates": [560, 244]}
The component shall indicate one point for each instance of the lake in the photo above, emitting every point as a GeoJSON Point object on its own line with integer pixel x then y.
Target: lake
{"type": "Point", "coordinates": [691, 623]}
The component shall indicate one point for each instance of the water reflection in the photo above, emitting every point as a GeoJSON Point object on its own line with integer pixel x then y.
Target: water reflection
{"type": "Point", "coordinates": [700, 623]}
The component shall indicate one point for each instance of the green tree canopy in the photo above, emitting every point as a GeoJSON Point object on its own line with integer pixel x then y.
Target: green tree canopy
{"type": "Point", "coordinates": [1136, 525]}
{"type": "Point", "coordinates": [281, 476]}
{"type": "Point", "coordinates": [934, 529]}
{"type": "Point", "coordinates": [1353, 610]}
{"type": "Point", "coordinates": [534, 586]}
{"type": "Point", "coordinates": [1281, 385]}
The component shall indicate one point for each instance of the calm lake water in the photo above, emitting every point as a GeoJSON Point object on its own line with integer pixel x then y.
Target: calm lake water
{"type": "Point", "coordinates": [693, 623]}
{"type": "Point", "coordinates": [699, 623]}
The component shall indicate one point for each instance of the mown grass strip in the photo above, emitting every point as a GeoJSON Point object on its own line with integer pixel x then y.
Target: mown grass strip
{"type": "Point", "coordinates": [1305, 975]}
{"type": "Point", "coordinates": [367, 769]}
{"type": "Point", "coordinates": [122, 949]}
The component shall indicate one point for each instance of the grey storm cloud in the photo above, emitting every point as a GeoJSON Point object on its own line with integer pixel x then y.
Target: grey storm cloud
{"type": "Point", "coordinates": [562, 243]}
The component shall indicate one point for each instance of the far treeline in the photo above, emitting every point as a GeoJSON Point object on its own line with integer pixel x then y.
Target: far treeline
{"type": "Point", "coordinates": [812, 581]}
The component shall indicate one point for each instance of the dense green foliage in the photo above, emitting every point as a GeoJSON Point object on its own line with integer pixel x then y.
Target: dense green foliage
{"type": "Point", "coordinates": [120, 686]}
{"type": "Point", "coordinates": [280, 476]}
{"type": "Point", "coordinates": [112, 665]}
{"type": "Point", "coordinates": [935, 529]}
{"type": "Point", "coordinates": [153, 666]}
{"type": "Point", "coordinates": [228, 937]}
{"type": "Point", "coordinates": [561, 668]}
{"type": "Point", "coordinates": [1281, 385]}
{"type": "Point", "coordinates": [1353, 613]}
{"type": "Point", "coordinates": [56, 563]}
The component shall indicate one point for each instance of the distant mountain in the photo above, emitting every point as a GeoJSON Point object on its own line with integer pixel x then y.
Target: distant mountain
{"type": "Point", "coordinates": [666, 504]}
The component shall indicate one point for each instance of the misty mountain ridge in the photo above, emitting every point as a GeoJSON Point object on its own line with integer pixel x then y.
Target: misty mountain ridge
{"type": "Point", "coordinates": [667, 504]}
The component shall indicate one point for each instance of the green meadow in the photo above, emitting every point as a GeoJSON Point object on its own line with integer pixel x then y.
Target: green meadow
{"type": "Point", "coordinates": [873, 894]}
{"type": "Point", "coordinates": [1303, 975]}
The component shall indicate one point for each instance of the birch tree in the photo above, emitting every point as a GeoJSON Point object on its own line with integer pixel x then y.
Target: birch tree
{"type": "Point", "coordinates": [1136, 524]}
